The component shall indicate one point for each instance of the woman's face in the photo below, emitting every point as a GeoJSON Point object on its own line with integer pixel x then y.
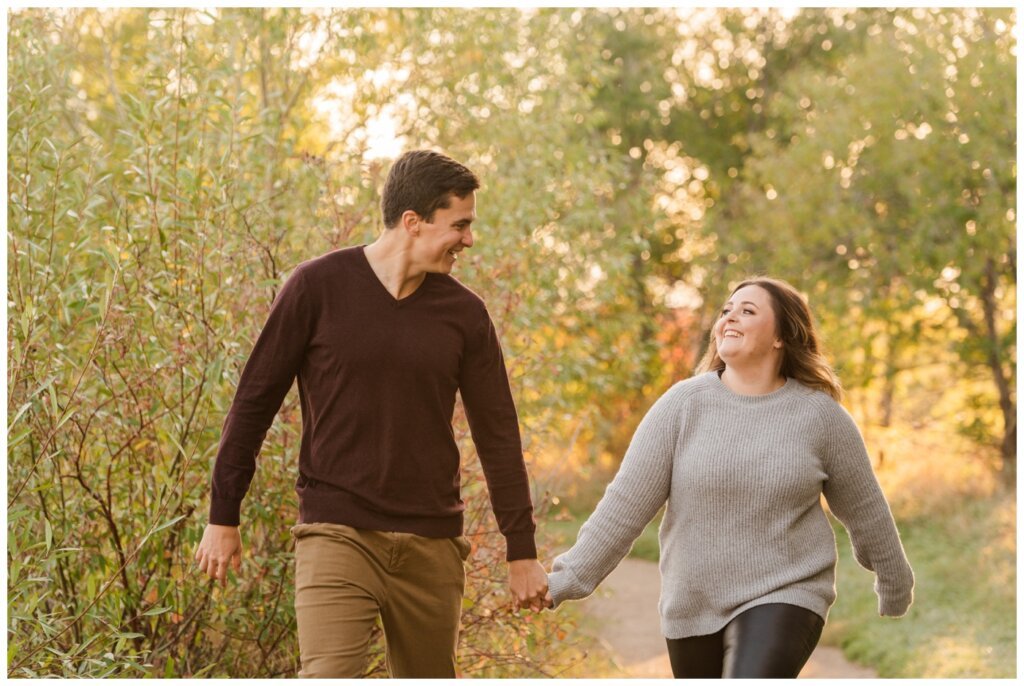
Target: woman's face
{"type": "Point", "coordinates": [746, 332]}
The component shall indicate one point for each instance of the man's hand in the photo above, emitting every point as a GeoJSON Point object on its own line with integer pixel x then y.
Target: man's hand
{"type": "Point", "coordinates": [221, 546]}
{"type": "Point", "coordinates": [528, 584]}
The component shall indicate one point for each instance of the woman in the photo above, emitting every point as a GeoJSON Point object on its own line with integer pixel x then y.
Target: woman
{"type": "Point", "coordinates": [742, 453]}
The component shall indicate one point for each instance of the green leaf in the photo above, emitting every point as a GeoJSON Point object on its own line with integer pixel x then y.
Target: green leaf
{"type": "Point", "coordinates": [152, 612]}
{"type": "Point", "coordinates": [177, 445]}
{"type": "Point", "coordinates": [14, 442]}
{"type": "Point", "coordinates": [16, 514]}
{"type": "Point", "coordinates": [82, 646]}
{"type": "Point", "coordinates": [170, 523]}
{"type": "Point", "coordinates": [26, 319]}
{"type": "Point", "coordinates": [17, 416]}
{"type": "Point", "coordinates": [204, 671]}
{"type": "Point", "coordinates": [64, 420]}
{"type": "Point", "coordinates": [54, 406]}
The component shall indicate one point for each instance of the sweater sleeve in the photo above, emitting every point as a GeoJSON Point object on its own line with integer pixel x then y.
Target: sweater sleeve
{"type": "Point", "coordinates": [856, 499]}
{"type": "Point", "coordinates": [268, 374]}
{"type": "Point", "coordinates": [494, 425]}
{"type": "Point", "coordinates": [634, 496]}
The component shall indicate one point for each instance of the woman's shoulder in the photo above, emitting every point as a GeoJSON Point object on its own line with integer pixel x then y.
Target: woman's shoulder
{"type": "Point", "coordinates": [830, 411]}
{"type": "Point", "coordinates": [683, 390]}
{"type": "Point", "coordinates": [814, 396]}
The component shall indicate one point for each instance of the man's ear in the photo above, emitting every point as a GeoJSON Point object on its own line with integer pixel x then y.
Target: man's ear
{"type": "Point", "coordinates": [410, 221]}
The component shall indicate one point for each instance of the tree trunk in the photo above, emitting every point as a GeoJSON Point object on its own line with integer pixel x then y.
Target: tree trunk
{"type": "Point", "coordinates": [889, 388]}
{"type": "Point", "coordinates": [1008, 448]}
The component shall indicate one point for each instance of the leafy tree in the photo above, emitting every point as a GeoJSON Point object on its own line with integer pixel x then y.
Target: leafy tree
{"type": "Point", "coordinates": [894, 193]}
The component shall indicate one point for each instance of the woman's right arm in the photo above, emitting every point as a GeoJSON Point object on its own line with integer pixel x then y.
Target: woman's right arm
{"type": "Point", "coordinates": [629, 503]}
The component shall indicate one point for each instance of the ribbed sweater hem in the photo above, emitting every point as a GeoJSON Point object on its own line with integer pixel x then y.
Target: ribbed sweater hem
{"type": "Point", "coordinates": [337, 507]}
{"type": "Point", "coordinates": [673, 627]}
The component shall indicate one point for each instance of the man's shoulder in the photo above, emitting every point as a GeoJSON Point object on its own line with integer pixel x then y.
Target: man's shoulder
{"type": "Point", "coordinates": [458, 292]}
{"type": "Point", "coordinates": [328, 272]}
{"type": "Point", "coordinates": [332, 263]}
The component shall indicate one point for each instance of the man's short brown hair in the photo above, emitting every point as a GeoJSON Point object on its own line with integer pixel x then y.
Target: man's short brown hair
{"type": "Point", "coordinates": [424, 181]}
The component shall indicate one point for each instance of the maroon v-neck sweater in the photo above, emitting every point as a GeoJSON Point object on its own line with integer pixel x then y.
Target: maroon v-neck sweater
{"type": "Point", "coordinates": [377, 382]}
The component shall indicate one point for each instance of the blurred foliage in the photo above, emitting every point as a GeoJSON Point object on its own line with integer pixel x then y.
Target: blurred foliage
{"type": "Point", "coordinates": [168, 168]}
{"type": "Point", "coordinates": [890, 198]}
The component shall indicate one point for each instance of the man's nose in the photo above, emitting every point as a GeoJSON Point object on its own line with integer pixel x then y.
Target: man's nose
{"type": "Point", "coordinates": [467, 238]}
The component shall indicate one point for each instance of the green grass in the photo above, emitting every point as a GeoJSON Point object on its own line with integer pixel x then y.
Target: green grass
{"type": "Point", "coordinates": [963, 620]}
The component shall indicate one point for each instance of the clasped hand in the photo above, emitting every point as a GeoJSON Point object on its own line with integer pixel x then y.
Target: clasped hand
{"type": "Point", "coordinates": [528, 584]}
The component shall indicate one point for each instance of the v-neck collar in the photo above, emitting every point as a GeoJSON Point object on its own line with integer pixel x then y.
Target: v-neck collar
{"type": "Point", "coordinates": [396, 302]}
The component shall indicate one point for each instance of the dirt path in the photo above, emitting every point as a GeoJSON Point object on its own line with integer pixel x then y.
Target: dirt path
{"type": "Point", "coordinates": [625, 614]}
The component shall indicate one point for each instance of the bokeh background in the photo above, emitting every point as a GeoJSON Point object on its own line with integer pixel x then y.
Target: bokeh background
{"type": "Point", "coordinates": [168, 168]}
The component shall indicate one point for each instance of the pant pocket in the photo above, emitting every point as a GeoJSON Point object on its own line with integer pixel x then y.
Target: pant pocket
{"type": "Point", "coordinates": [462, 546]}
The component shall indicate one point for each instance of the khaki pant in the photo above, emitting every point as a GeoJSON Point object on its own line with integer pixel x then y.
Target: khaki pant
{"type": "Point", "coordinates": [346, 577]}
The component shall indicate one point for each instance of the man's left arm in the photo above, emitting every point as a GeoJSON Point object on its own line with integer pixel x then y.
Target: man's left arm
{"type": "Point", "coordinates": [494, 424]}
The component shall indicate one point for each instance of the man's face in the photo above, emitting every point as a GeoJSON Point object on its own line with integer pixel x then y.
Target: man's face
{"type": "Point", "coordinates": [441, 240]}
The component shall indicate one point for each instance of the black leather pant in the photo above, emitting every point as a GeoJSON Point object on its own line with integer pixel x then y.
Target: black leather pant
{"type": "Point", "coordinates": [767, 641]}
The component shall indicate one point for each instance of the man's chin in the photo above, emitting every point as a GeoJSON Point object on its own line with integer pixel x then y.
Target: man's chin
{"type": "Point", "coordinates": [442, 268]}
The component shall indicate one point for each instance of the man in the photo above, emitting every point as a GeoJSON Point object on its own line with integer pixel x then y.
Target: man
{"type": "Point", "coordinates": [380, 338]}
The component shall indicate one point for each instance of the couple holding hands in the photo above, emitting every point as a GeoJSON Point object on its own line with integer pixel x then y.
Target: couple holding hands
{"type": "Point", "coordinates": [381, 338]}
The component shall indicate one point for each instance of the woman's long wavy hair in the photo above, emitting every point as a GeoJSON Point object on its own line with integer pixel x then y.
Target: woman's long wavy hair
{"type": "Point", "coordinates": [802, 357]}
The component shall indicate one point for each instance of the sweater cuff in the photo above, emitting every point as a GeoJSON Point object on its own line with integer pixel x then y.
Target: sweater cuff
{"type": "Point", "coordinates": [520, 546]}
{"type": "Point", "coordinates": [225, 512]}
{"type": "Point", "coordinates": [563, 585]}
{"type": "Point", "coordinates": [894, 606]}
{"type": "Point", "coordinates": [558, 587]}
{"type": "Point", "coordinates": [894, 599]}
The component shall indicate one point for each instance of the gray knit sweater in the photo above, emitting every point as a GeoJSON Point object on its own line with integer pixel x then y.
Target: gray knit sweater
{"type": "Point", "coordinates": [743, 477]}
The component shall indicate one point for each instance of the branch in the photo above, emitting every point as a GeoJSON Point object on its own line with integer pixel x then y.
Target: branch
{"type": "Point", "coordinates": [110, 580]}
{"type": "Point", "coordinates": [74, 392]}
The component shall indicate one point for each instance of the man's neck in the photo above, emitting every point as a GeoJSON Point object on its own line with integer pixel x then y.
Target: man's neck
{"type": "Point", "coordinates": [390, 259]}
